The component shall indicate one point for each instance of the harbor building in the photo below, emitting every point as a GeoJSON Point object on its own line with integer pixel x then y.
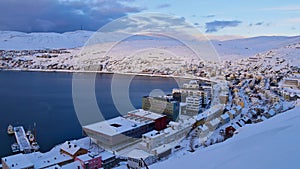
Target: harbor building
{"type": "Point", "coordinates": [165, 105]}
{"type": "Point", "coordinates": [118, 132]}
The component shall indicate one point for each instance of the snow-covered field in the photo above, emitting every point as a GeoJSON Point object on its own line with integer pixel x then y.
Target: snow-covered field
{"type": "Point", "coordinates": [273, 144]}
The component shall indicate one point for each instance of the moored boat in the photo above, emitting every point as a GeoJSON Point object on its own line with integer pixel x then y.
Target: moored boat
{"type": "Point", "coordinates": [35, 146]}
{"type": "Point", "coordinates": [31, 137]}
{"type": "Point", "coordinates": [10, 129]}
{"type": "Point", "coordinates": [15, 147]}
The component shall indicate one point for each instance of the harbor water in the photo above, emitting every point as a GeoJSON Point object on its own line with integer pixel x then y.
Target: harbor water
{"type": "Point", "coordinates": [45, 98]}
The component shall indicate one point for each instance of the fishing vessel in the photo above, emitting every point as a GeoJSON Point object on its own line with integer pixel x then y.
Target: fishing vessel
{"type": "Point", "coordinates": [35, 146]}
{"type": "Point", "coordinates": [10, 129]}
{"type": "Point", "coordinates": [15, 148]}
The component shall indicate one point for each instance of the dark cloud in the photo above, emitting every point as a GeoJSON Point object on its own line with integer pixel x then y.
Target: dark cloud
{"type": "Point", "coordinates": [215, 26]}
{"type": "Point", "coordinates": [163, 6]}
{"type": "Point", "coordinates": [209, 16]}
{"type": "Point", "coordinates": [259, 24]}
{"type": "Point", "coordinates": [60, 16]}
{"type": "Point", "coordinates": [256, 24]}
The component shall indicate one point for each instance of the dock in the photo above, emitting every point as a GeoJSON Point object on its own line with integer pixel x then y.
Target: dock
{"type": "Point", "coordinates": [22, 139]}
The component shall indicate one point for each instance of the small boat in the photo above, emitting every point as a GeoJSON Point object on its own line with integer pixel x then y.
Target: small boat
{"type": "Point", "coordinates": [15, 147]}
{"type": "Point", "coordinates": [28, 133]}
{"type": "Point", "coordinates": [31, 137]}
{"type": "Point", "coordinates": [35, 146]}
{"type": "Point", "coordinates": [10, 129]}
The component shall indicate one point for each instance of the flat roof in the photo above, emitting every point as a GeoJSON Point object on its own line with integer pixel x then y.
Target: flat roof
{"type": "Point", "coordinates": [115, 126]}
{"type": "Point", "coordinates": [153, 134]}
{"type": "Point", "coordinates": [17, 161]}
{"type": "Point", "coordinates": [87, 157]}
{"type": "Point", "coordinates": [54, 156]}
{"type": "Point", "coordinates": [138, 154]}
{"type": "Point", "coordinates": [106, 155]}
{"type": "Point", "coordinates": [146, 114]}
{"type": "Point", "coordinates": [72, 165]}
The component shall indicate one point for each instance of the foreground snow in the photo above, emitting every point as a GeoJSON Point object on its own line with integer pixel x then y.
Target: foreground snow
{"type": "Point", "coordinates": [273, 143]}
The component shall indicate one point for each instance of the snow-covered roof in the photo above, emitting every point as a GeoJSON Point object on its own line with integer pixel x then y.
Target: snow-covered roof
{"type": "Point", "coordinates": [138, 154]}
{"type": "Point", "coordinates": [17, 161]}
{"type": "Point", "coordinates": [203, 127]}
{"type": "Point", "coordinates": [115, 126]}
{"type": "Point", "coordinates": [145, 114]}
{"type": "Point", "coordinates": [83, 142]}
{"type": "Point", "coordinates": [106, 155]}
{"type": "Point", "coordinates": [239, 107]}
{"type": "Point", "coordinates": [73, 165]}
{"type": "Point", "coordinates": [56, 166]}
{"type": "Point", "coordinates": [271, 112]}
{"type": "Point", "coordinates": [86, 157]}
{"type": "Point", "coordinates": [233, 112]}
{"type": "Point", "coordinates": [70, 148]}
{"type": "Point", "coordinates": [52, 157]}
{"type": "Point", "coordinates": [201, 116]}
{"type": "Point", "coordinates": [215, 122]}
{"type": "Point", "coordinates": [225, 116]}
{"type": "Point", "coordinates": [153, 134]}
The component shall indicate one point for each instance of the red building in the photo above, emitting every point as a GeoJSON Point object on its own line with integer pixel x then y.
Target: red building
{"type": "Point", "coordinates": [160, 120]}
{"type": "Point", "coordinates": [229, 131]}
{"type": "Point", "coordinates": [89, 161]}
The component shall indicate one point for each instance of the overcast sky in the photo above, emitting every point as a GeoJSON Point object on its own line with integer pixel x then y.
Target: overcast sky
{"type": "Point", "coordinates": [214, 17]}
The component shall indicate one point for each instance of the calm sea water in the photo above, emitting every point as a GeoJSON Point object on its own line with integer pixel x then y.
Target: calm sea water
{"type": "Point", "coordinates": [46, 99]}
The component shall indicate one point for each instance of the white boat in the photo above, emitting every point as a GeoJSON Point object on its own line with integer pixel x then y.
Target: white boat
{"type": "Point", "coordinates": [31, 137]}
{"type": "Point", "coordinates": [28, 133]}
{"type": "Point", "coordinates": [35, 146]}
{"type": "Point", "coordinates": [10, 129]}
{"type": "Point", "coordinates": [15, 147]}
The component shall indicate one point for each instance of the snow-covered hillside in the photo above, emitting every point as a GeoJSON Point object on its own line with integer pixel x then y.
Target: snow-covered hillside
{"type": "Point", "coordinates": [10, 40]}
{"type": "Point", "coordinates": [250, 46]}
{"type": "Point", "coordinates": [243, 47]}
{"type": "Point", "coordinates": [272, 144]}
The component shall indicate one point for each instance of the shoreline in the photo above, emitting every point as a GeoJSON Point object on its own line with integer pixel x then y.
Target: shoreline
{"type": "Point", "coordinates": [103, 72]}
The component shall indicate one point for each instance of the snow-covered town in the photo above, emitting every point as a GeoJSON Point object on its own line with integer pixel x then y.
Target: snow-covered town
{"type": "Point", "coordinates": [128, 84]}
{"type": "Point", "coordinates": [200, 114]}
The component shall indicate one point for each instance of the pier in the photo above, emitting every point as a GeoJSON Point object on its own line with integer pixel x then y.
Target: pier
{"type": "Point", "coordinates": [22, 139]}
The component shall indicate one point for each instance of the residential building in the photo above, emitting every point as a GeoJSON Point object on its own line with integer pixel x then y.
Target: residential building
{"type": "Point", "coordinates": [108, 160]}
{"type": "Point", "coordinates": [165, 105]}
{"type": "Point", "coordinates": [72, 149]}
{"type": "Point", "coordinates": [89, 161]}
{"type": "Point", "coordinates": [18, 161]}
{"type": "Point", "coordinates": [139, 159]}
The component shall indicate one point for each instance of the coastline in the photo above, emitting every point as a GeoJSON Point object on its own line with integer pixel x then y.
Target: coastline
{"type": "Point", "coordinates": [105, 72]}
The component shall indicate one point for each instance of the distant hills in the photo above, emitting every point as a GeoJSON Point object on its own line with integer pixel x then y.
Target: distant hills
{"type": "Point", "coordinates": [228, 48]}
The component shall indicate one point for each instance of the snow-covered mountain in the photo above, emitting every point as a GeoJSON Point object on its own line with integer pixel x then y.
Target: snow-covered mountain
{"type": "Point", "coordinates": [243, 47]}
{"type": "Point", "coordinates": [271, 144]}
{"type": "Point", "coordinates": [251, 46]}
{"type": "Point", "coordinates": [26, 41]}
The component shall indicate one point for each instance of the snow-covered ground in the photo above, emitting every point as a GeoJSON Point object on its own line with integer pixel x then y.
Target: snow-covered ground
{"type": "Point", "coordinates": [272, 144]}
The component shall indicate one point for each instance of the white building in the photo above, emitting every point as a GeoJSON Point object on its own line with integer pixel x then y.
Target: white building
{"type": "Point", "coordinates": [118, 132]}
{"type": "Point", "coordinates": [193, 105]}
{"type": "Point", "coordinates": [139, 159]}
